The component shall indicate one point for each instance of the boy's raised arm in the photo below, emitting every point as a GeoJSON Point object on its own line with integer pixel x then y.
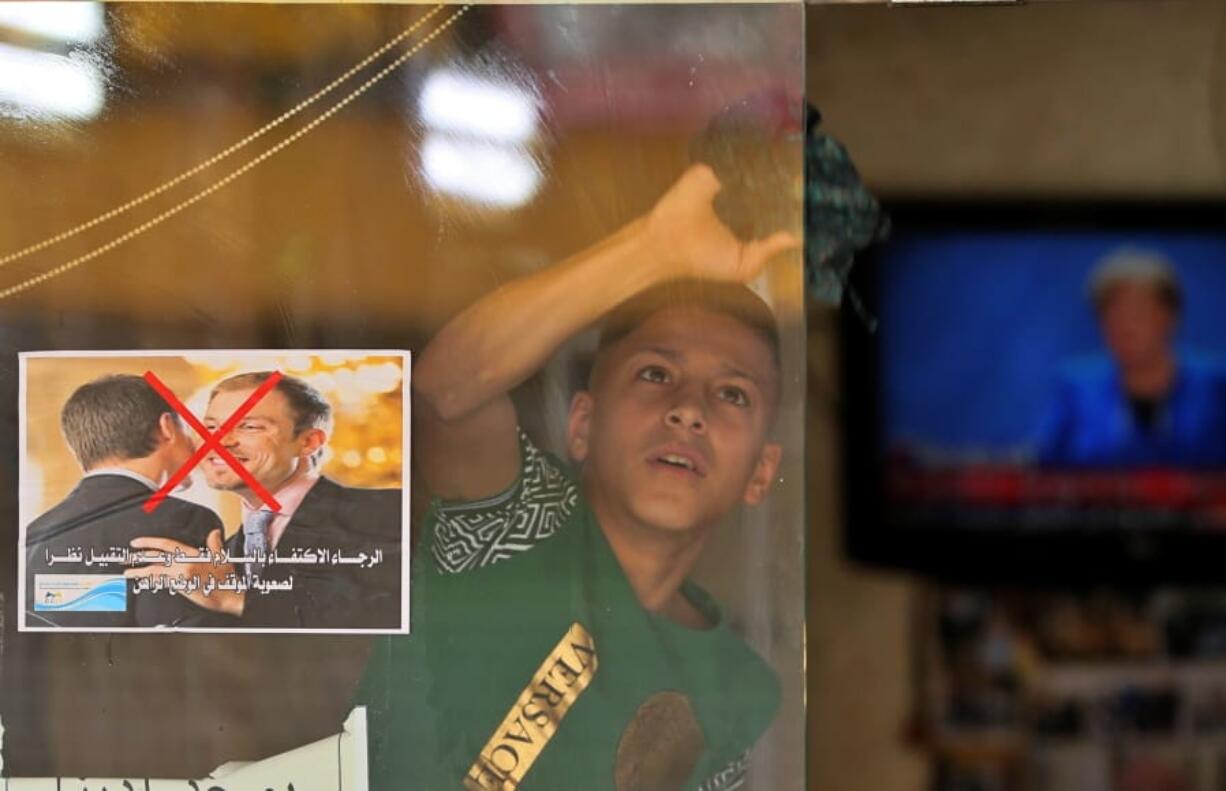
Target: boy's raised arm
{"type": "Point", "coordinates": [465, 424]}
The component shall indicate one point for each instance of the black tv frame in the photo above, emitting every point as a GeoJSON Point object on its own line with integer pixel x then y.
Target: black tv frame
{"type": "Point", "coordinates": [1070, 556]}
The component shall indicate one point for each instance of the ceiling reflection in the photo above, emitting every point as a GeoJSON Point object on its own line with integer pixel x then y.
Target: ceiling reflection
{"type": "Point", "coordinates": [45, 71]}
{"type": "Point", "coordinates": [233, 165]}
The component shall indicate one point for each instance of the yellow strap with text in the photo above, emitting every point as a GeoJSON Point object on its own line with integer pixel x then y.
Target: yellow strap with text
{"type": "Point", "coordinates": [534, 719]}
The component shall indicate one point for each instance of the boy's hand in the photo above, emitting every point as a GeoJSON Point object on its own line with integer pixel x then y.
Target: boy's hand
{"type": "Point", "coordinates": [684, 230]}
{"type": "Point", "coordinates": [466, 438]}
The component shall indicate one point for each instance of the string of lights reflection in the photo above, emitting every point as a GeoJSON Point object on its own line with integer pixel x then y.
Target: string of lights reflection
{"type": "Point", "coordinates": [72, 264]}
{"type": "Point", "coordinates": [39, 86]}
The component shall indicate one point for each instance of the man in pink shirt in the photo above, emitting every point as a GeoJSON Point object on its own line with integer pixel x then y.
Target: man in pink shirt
{"type": "Point", "coordinates": [280, 442]}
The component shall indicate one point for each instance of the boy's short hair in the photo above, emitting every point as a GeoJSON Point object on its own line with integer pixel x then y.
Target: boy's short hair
{"type": "Point", "coordinates": [112, 417]}
{"type": "Point", "coordinates": [728, 299]}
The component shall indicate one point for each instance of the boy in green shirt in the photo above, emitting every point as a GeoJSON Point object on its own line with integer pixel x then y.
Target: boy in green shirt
{"type": "Point", "coordinates": [557, 643]}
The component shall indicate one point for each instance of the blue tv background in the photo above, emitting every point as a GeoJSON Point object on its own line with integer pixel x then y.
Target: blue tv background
{"type": "Point", "coordinates": [974, 327]}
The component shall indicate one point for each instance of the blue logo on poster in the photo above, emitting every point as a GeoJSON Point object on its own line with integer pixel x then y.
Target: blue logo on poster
{"type": "Point", "coordinates": [80, 593]}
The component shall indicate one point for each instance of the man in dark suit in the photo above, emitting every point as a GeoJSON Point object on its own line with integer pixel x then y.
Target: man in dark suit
{"type": "Point", "coordinates": [128, 441]}
{"type": "Point", "coordinates": [78, 704]}
{"type": "Point", "coordinates": [346, 520]}
{"type": "Point", "coordinates": [279, 442]}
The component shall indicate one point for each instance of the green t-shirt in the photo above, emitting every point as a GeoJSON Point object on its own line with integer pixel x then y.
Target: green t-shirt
{"type": "Point", "coordinates": [532, 665]}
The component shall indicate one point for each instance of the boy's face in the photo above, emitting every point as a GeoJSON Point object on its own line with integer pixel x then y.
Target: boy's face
{"type": "Point", "coordinates": [673, 432]}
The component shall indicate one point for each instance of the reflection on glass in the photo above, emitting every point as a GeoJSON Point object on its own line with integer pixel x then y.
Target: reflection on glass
{"type": "Point", "coordinates": [79, 23]}
{"type": "Point", "coordinates": [528, 133]}
{"type": "Point", "coordinates": [40, 83]}
{"type": "Point", "coordinates": [454, 102]}
{"type": "Point", "coordinates": [499, 176]}
{"type": "Point", "coordinates": [478, 136]}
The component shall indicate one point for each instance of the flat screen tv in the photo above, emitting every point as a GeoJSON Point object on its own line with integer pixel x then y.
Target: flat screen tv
{"type": "Point", "coordinates": [1043, 397]}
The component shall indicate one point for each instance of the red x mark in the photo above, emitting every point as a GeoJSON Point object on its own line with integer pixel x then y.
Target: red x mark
{"type": "Point", "coordinates": [212, 441]}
